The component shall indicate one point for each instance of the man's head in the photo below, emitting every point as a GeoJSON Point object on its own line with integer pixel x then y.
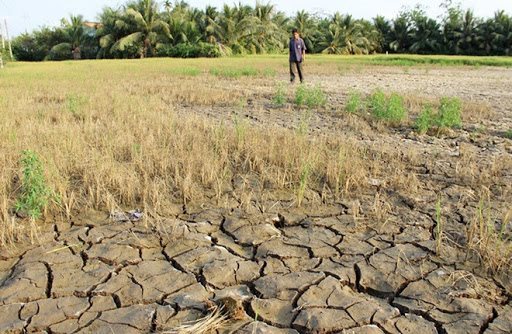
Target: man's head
{"type": "Point", "coordinates": [295, 33]}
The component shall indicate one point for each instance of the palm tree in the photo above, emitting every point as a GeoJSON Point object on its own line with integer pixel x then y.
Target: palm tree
{"type": "Point", "coordinates": [112, 29]}
{"type": "Point", "coordinates": [503, 33]}
{"type": "Point", "coordinates": [426, 36]}
{"type": "Point", "coordinates": [383, 28]}
{"type": "Point", "coordinates": [346, 36]}
{"type": "Point", "coordinates": [308, 28]}
{"type": "Point", "coordinates": [400, 33]}
{"type": "Point", "coordinates": [268, 32]}
{"type": "Point", "coordinates": [147, 27]}
{"type": "Point", "coordinates": [76, 35]}
{"type": "Point", "coordinates": [233, 27]}
{"type": "Point", "coordinates": [466, 36]}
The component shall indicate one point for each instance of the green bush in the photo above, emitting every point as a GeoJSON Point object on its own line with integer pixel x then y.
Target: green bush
{"type": "Point", "coordinates": [35, 193]}
{"type": "Point", "coordinates": [425, 120]}
{"type": "Point", "coordinates": [310, 97]}
{"type": "Point", "coordinates": [280, 96]}
{"type": "Point", "coordinates": [449, 113]}
{"type": "Point", "coordinates": [355, 103]}
{"type": "Point", "coordinates": [391, 110]}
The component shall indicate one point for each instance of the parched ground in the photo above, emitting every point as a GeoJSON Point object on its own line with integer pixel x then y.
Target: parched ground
{"type": "Point", "coordinates": [364, 264]}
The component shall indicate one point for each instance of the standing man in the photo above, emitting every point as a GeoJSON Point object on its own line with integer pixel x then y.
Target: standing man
{"type": "Point", "coordinates": [297, 55]}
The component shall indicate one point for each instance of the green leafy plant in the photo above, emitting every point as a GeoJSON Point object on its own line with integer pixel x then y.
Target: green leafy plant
{"type": "Point", "coordinates": [280, 96]}
{"type": "Point", "coordinates": [355, 103]}
{"type": "Point", "coordinates": [310, 97]}
{"type": "Point", "coordinates": [391, 110]}
{"type": "Point", "coordinates": [449, 113]}
{"type": "Point", "coordinates": [425, 120]}
{"type": "Point", "coordinates": [35, 193]}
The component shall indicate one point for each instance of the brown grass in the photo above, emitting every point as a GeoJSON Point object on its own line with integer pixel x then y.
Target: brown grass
{"type": "Point", "coordinates": [116, 135]}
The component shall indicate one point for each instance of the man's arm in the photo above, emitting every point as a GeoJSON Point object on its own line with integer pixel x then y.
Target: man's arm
{"type": "Point", "coordinates": [303, 50]}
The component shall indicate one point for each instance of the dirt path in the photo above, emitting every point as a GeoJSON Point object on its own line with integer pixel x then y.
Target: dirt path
{"type": "Point", "coordinates": [317, 269]}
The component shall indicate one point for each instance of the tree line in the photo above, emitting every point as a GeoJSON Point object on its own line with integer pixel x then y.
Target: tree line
{"type": "Point", "coordinates": [146, 28]}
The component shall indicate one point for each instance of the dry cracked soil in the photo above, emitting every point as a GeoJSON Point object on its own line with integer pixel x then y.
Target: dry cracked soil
{"type": "Point", "coordinates": [314, 269]}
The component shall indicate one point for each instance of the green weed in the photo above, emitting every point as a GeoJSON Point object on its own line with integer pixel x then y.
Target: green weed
{"type": "Point", "coordinates": [355, 103]}
{"type": "Point", "coordinates": [310, 97]}
{"type": "Point", "coordinates": [280, 96]}
{"type": "Point", "coordinates": [303, 127]}
{"type": "Point", "coordinates": [35, 193]}
{"type": "Point", "coordinates": [390, 110]}
{"type": "Point", "coordinates": [305, 175]}
{"type": "Point", "coordinates": [508, 134]}
{"type": "Point", "coordinates": [425, 120]}
{"type": "Point", "coordinates": [449, 113]}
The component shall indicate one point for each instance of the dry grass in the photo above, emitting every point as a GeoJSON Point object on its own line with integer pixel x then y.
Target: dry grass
{"type": "Point", "coordinates": [490, 237]}
{"type": "Point", "coordinates": [109, 136]}
{"type": "Point", "coordinates": [113, 135]}
{"type": "Point", "coordinates": [210, 324]}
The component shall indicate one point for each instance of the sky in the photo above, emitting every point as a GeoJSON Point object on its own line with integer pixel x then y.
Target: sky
{"type": "Point", "coordinates": [27, 15]}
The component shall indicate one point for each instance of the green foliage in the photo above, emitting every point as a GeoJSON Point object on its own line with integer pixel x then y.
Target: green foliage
{"type": "Point", "coordinates": [389, 109]}
{"type": "Point", "coordinates": [508, 134]}
{"type": "Point", "coordinates": [425, 120]}
{"type": "Point", "coordinates": [355, 103]}
{"type": "Point", "coordinates": [35, 193]}
{"type": "Point", "coordinates": [310, 97]}
{"type": "Point", "coordinates": [188, 50]}
{"type": "Point", "coordinates": [280, 96]}
{"type": "Point", "coordinates": [449, 113]}
{"type": "Point", "coordinates": [140, 27]}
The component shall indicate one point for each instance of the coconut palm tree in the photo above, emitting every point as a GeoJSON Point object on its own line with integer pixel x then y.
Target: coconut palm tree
{"type": "Point", "coordinates": [400, 33]}
{"type": "Point", "coordinates": [269, 32]}
{"type": "Point", "coordinates": [233, 27]}
{"type": "Point", "coordinates": [147, 27]}
{"type": "Point", "coordinates": [308, 28]}
{"type": "Point", "coordinates": [76, 35]}
{"type": "Point", "coordinates": [346, 36]}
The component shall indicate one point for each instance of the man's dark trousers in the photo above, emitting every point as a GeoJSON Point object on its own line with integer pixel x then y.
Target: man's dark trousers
{"type": "Point", "coordinates": [298, 65]}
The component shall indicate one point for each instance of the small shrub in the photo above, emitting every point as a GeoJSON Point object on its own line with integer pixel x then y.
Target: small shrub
{"type": "Point", "coordinates": [355, 103]}
{"type": "Point", "coordinates": [425, 120]}
{"type": "Point", "coordinates": [310, 97]}
{"type": "Point", "coordinates": [280, 96]}
{"type": "Point", "coordinates": [391, 110]}
{"type": "Point", "coordinates": [377, 103]}
{"type": "Point", "coordinates": [449, 113]}
{"type": "Point", "coordinates": [35, 193]}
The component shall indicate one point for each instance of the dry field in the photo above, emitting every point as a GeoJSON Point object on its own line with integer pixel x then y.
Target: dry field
{"type": "Point", "coordinates": [286, 218]}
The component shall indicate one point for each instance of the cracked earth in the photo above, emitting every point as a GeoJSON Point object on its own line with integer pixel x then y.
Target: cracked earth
{"type": "Point", "coordinates": [315, 269]}
{"type": "Point", "coordinates": [293, 273]}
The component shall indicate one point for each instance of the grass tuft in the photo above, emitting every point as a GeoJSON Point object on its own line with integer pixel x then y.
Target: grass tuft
{"type": "Point", "coordinates": [35, 193]}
